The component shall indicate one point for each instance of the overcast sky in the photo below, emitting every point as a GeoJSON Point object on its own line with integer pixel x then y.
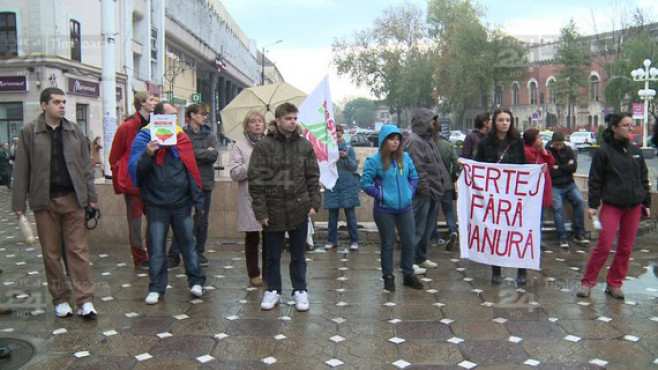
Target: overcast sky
{"type": "Point", "coordinates": [308, 28]}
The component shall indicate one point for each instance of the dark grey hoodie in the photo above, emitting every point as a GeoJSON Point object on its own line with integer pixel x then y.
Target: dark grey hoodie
{"type": "Point", "coordinates": [422, 149]}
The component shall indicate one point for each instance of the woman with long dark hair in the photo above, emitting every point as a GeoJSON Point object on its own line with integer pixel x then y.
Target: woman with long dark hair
{"type": "Point", "coordinates": [390, 177]}
{"type": "Point", "coordinates": [618, 178]}
{"type": "Point", "coordinates": [503, 144]}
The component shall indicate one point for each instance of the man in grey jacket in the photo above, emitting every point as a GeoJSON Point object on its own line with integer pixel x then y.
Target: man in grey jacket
{"type": "Point", "coordinates": [53, 170]}
{"type": "Point", "coordinates": [431, 174]}
{"type": "Point", "coordinates": [204, 142]}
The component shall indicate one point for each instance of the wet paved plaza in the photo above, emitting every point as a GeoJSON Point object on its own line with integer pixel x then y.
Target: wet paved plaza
{"type": "Point", "coordinates": [459, 321]}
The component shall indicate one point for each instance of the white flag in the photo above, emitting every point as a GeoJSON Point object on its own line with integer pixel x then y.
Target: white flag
{"type": "Point", "coordinates": [316, 115]}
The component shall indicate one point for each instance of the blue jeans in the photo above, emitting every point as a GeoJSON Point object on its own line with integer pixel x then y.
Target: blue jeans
{"type": "Point", "coordinates": [575, 197]}
{"type": "Point", "coordinates": [350, 216]}
{"type": "Point", "coordinates": [386, 224]}
{"type": "Point", "coordinates": [274, 241]}
{"type": "Point", "coordinates": [159, 219]}
{"type": "Point", "coordinates": [201, 235]}
{"type": "Point", "coordinates": [448, 210]}
{"type": "Point", "coordinates": [447, 204]}
{"type": "Point", "coordinates": [426, 210]}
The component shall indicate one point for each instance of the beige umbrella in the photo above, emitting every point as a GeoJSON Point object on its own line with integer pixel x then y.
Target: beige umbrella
{"type": "Point", "coordinates": [263, 99]}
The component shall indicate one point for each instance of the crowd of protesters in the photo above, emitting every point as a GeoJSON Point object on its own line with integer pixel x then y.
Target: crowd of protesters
{"type": "Point", "coordinates": [278, 175]}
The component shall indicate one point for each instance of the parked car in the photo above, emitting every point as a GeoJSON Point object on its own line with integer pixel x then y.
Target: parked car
{"type": "Point", "coordinates": [457, 136]}
{"type": "Point", "coordinates": [547, 136]}
{"type": "Point", "coordinates": [360, 140]}
{"type": "Point", "coordinates": [373, 137]}
{"type": "Point", "coordinates": [583, 139]}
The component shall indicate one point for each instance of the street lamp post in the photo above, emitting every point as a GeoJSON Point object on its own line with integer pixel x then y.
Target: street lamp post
{"type": "Point", "coordinates": [262, 61]}
{"type": "Point", "coordinates": [645, 75]}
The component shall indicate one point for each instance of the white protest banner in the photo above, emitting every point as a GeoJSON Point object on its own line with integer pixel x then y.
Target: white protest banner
{"type": "Point", "coordinates": [499, 210]}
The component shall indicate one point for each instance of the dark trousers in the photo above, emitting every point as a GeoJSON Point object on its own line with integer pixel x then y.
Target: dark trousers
{"type": "Point", "coordinates": [275, 241]}
{"type": "Point", "coordinates": [251, 241]}
{"type": "Point", "coordinates": [201, 232]}
{"type": "Point", "coordinates": [135, 210]}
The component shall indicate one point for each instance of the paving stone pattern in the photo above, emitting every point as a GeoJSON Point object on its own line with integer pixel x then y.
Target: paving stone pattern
{"type": "Point", "coordinates": [458, 321]}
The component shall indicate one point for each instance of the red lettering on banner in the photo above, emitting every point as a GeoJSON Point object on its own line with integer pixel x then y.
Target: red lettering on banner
{"type": "Point", "coordinates": [467, 170]}
{"type": "Point", "coordinates": [519, 181]}
{"type": "Point", "coordinates": [537, 188]}
{"type": "Point", "coordinates": [490, 209]}
{"type": "Point", "coordinates": [528, 244]}
{"type": "Point", "coordinates": [509, 180]}
{"type": "Point", "coordinates": [514, 238]}
{"type": "Point", "coordinates": [504, 207]}
{"type": "Point", "coordinates": [474, 204]}
{"type": "Point", "coordinates": [489, 241]}
{"type": "Point", "coordinates": [492, 177]}
{"type": "Point", "coordinates": [518, 215]}
{"type": "Point", "coordinates": [475, 176]}
{"type": "Point", "coordinates": [474, 237]}
{"type": "Point", "coordinates": [493, 240]}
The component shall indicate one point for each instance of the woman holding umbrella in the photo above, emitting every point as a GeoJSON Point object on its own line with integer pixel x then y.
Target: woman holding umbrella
{"type": "Point", "coordinates": [253, 126]}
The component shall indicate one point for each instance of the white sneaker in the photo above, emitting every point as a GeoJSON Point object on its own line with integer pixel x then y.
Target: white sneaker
{"type": "Point", "coordinates": [270, 299]}
{"type": "Point", "coordinates": [428, 264]}
{"type": "Point", "coordinates": [329, 246]}
{"type": "Point", "coordinates": [152, 298]}
{"type": "Point", "coordinates": [301, 300]}
{"type": "Point", "coordinates": [63, 310]}
{"type": "Point", "coordinates": [197, 290]}
{"type": "Point", "coordinates": [354, 246]}
{"type": "Point", "coordinates": [88, 311]}
{"type": "Point", "coordinates": [419, 270]}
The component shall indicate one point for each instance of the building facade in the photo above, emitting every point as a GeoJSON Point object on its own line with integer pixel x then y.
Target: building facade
{"type": "Point", "coordinates": [534, 99]}
{"type": "Point", "coordinates": [185, 51]}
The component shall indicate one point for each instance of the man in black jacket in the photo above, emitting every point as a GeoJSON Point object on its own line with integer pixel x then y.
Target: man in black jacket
{"type": "Point", "coordinates": [204, 142]}
{"type": "Point", "coordinates": [284, 183]}
{"type": "Point", "coordinates": [564, 187]}
{"type": "Point", "coordinates": [170, 184]}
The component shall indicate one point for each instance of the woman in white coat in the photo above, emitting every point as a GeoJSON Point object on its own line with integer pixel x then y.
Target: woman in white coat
{"type": "Point", "coordinates": [254, 126]}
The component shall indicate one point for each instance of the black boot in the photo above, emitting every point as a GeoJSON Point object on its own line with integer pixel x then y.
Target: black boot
{"type": "Point", "coordinates": [495, 275]}
{"type": "Point", "coordinates": [413, 282]}
{"type": "Point", "coordinates": [521, 277]}
{"type": "Point", "coordinates": [389, 283]}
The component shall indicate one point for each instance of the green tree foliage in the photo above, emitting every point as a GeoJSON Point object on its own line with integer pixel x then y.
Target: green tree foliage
{"type": "Point", "coordinates": [574, 60]}
{"type": "Point", "coordinates": [359, 110]}
{"type": "Point", "coordinates": [471, 59]}
{"type": "Point", "coordinates": [364, 117]}
{"type": "Point", "coordinates": [392, 59]}
{"type": "Point", "coordinates": [637, 46]}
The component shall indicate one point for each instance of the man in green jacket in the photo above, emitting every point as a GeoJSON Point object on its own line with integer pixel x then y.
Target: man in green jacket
{"type": "Point", "coordinates": [449, 157]}
{"type": "Point", "coordinates": [284, 183]}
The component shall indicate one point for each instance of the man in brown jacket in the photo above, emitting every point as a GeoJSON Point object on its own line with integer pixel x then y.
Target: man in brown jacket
{"type": "Point", "coordinates": [284, 183]}
{"type": "Point", "coordinates": [53, 171]}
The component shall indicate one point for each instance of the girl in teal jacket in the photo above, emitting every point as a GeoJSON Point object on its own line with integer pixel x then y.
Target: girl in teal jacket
{"type": "Point", "coordinates": [390, 177]}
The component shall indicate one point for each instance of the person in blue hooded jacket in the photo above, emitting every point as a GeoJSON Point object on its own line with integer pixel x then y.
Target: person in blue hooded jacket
{"type": "Point", "coordinates": [390, 177]}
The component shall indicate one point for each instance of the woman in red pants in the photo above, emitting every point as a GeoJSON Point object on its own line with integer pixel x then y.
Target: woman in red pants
{"type": "Point", "coordinates": [618, 179]}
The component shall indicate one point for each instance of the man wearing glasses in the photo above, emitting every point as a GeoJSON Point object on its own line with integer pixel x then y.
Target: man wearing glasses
{"type": "Point", "coordinates": [205, 144]}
